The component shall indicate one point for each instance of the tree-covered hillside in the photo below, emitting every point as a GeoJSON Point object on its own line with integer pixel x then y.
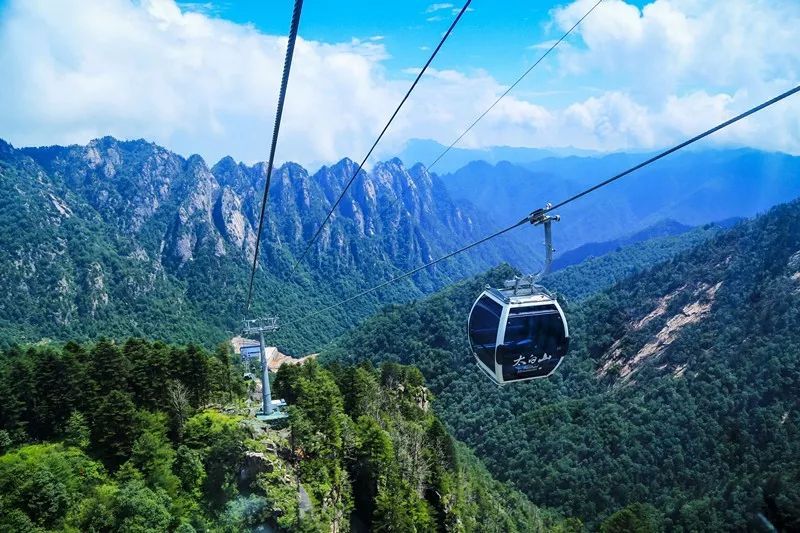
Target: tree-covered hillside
{"type": "Point", "coordinates": [127, 238]}
{"type": "Point", "coordinates": [679, 390]}
{"type": "Point", "coordinates": [146, 436]}
{"type": "Point", "coordinates": [663, 228]}
{"type": "Point", "coordinates": [594, 274]}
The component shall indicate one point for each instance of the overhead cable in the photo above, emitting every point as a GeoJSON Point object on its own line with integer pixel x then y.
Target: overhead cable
{"type": "Point", "coordinates": [505, 93]}
{"type": "Point", "coordinates": [677, 147]}
{"type": "Point", "coordinates": [511, 87]}
{"type": "Point", "coordinates": [380, 136]}
{"type": "Point", "coordinates": [414, 271]}
{"type": "Point", "coordinates": [287, 66]}
{"type": "Point", "coordinates": [536, 215]}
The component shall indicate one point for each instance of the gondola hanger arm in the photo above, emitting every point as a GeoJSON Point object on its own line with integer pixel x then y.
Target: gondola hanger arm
{"type": "Point", "coordinates": [540, 216]}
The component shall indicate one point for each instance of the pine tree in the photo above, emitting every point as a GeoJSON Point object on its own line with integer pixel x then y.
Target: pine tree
{"type": "Point", "coordinates": [635, 518]}
{"type": "Point", "coordinates": [191, 366]}
{"type": "Point", "coordinates": [149, 373]}
{"type": "Point", "coordinates": [16, 398]}
{"type": "Point", "coordinates": [153, 454]}
{"type": "Point", "coordinates": [114, 428]}
{"type": "Point", "coordinates": [189, 469]}
{"type": "Point", "coordinates": [55, 391]}
{"type": "Point", "coordinates": [76, 432]}
{"type": "Point", "coordinates": [374, 460]}
{"type": "Point", "coordinates": [109, 369]}
{"type": "Point", "coordinates": [363, 395]}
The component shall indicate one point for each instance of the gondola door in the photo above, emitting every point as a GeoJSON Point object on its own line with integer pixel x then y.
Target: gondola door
{"type": "Point", "coordinates": [535, 341]}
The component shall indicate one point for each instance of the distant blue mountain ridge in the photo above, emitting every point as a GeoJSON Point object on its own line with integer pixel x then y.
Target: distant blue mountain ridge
{"type": "Point", "coordinates": [691, 188]}
{"type": "Point", "coordinates": [425, 151]}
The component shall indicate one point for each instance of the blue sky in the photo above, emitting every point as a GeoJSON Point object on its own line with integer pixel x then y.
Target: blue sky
{"type": "Point", "coordinates": [202, 77]}
{"type": "Point", "coordinates": [496, 36]}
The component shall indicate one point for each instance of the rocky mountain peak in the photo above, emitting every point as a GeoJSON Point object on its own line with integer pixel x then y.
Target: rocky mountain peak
{"type": "Point", "coordinates": [229, 217]}
{"type": "Point", "coordinates": [116, 227]}
{"type": "Point", "coordinates": [236, 175]}
{"type": "Point", "coordinates": [196, 163]}
{"type": "Point", "coordinates": [292, 170]}
{"type": "Point", "coordinates": [226, 163]}
{"type": "Point", "coordinates": [184, 208]}
{"type": "Point", "coordinates": [345, 165]}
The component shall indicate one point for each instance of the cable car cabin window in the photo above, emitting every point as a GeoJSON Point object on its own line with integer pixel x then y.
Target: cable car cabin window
{"type": "Point", "coordinates": [534, 342]}
{"type": "Point", "coordinates": [483, 325]}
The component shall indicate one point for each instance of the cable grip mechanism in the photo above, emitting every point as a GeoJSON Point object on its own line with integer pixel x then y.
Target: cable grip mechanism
{"type": "Point", "coordinates": [542, 216]}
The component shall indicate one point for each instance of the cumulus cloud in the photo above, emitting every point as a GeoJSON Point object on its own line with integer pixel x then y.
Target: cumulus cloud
{"type": "Point", "coordinates": [686, 64]}
{"type": "Point", "coordinates": [197, 83]}
{"type": "Point", "coordinates": [194, 83]}
{"type": "Point", "coordinates": [669, 43]}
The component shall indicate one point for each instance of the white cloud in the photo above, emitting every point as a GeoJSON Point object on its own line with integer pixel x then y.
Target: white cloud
{"type": "Point", "coordinates": [195, 83]}
{"type": "Point", "coordinates": [433, 8]}
{"type": "Point", "coordinates": [690, 63]}
{"type": "Point", "coordinates": [207, 8]}
{"type": "Point", "coordinates": [671, 42]}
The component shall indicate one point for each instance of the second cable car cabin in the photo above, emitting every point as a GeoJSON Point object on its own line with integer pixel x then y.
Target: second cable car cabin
{"type": "Point", "coordinates": [520, 333]}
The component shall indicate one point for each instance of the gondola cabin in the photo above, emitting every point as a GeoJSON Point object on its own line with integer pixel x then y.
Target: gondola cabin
{"type": "Point", "coordinates": [517, 335]}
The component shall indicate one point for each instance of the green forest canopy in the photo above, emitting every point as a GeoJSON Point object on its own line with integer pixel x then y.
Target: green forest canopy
{"type": "Point", "coordinates": [109, 437]}
{"type": "Point", "coordinates": [709, 447]}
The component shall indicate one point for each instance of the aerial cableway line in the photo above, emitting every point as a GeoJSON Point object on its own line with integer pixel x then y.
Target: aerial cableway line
{"type": "Point", "coordinates": [677, 147]}
{"type": "Point", "coordinates": [287, 66]}
{"type": "Point", "coordinates": [535, 216]}
{"type": "Point", "coordinates": [503, 95]}
{"type": "Point", "coordinates": [511, 87]}
{"type": "Point", "coordinates": [380, 136]}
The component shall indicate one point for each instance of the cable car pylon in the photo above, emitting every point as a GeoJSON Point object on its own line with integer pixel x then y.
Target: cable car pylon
{"type": "Point", "coordinates": [261, 326]}
{"type": "Point", "coordinates": [520, 333]}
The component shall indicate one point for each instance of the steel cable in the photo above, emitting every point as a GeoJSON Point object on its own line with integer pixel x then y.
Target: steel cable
{"type": "Point", "coordinates": [380, 136]}
{"type": "Point", "coordinates": [287, 66]}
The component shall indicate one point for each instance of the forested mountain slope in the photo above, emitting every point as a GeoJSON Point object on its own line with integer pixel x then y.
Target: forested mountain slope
{"type": "Point", "coordinates": [134, 437]}
{"type": "Point", "coordinates": [119, 238]}
{"type": "Point", "coordinates": [692, 187]}
{"type": "Point", "coordinates": [663, 228]}
{"type": "Point", "coordinates": [594, 274]}
{"type": "Point", "coordinates": [679, 390]}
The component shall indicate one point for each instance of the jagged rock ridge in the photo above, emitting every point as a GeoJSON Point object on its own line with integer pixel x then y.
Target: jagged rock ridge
{"type": "Point", "coordinates": [118, 221]}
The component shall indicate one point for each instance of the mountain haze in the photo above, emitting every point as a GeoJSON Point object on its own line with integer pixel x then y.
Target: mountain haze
{"type": "Point", "coordinates": [664, 228]}
{"type": "Point", "coordinates": [425, 151]}
{"type": "Point", "coordinates": [691, 187]}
